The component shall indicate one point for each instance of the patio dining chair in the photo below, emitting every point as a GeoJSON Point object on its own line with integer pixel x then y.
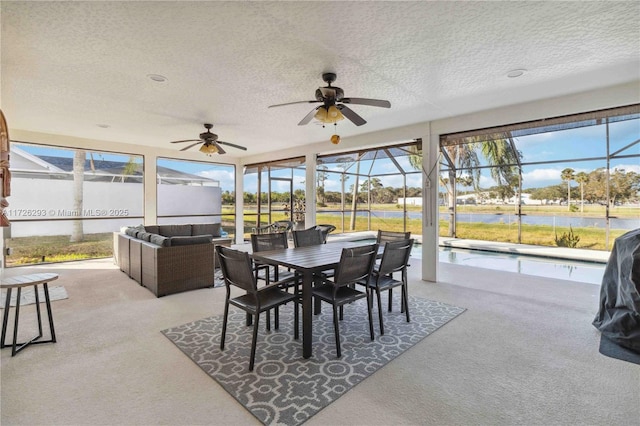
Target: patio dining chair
{"type": "Point", "coordinates": [394, 259]}
{"type": "Point", "coordinates": [355, 267]}
{"type": "Point", "coordinates": [386, 236]}
{"type": "Point", "coordinates": [237, 270]}
{"type": "Point", "coordinates": [307, 237]}
{"type": "Point", "coordinates": [268, 273]}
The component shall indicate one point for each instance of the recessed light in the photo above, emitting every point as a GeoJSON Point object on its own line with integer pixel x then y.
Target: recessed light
{"type": "Point", "coordinates": [104, 126]}
{"type": "Point", "coordinates": [516, 73]}
{"type": "Point", "coordinates": [157, 77]}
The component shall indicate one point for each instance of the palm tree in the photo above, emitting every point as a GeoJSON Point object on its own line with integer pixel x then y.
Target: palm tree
{"type": "Point", "coordinates": [582, 178]}
{"type": "Point", "coordinates": [496, 148]}
{"type": "Point", "coordinates": [568, 175]}
{"type": "Point", "coordinates": [79, 160]}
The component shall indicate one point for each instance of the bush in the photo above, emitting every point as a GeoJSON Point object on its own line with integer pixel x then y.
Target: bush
{"type": "Point", "coordinates": [568, 239]}
{"type": "Point", "coordinates": [573, 208]}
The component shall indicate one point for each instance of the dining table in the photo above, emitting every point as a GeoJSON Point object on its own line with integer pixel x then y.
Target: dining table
{"type": "Point", "coordinates": [309, 262]}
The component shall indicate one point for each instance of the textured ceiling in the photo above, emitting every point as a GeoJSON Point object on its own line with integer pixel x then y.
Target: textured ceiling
{"type": "Point", "coordinates": [69, 66]}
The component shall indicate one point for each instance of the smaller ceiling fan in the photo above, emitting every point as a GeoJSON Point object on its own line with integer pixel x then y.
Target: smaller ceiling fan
{"type": "Point", "coordinates": [210, 142]}
{"type": "Point", "coordinates": [333, 106]}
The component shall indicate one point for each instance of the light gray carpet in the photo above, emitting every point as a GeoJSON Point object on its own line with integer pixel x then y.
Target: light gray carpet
{"type": "Point", "coordinates": [28, 297]}
{"type": "Point", "coordinates": [284, 387]}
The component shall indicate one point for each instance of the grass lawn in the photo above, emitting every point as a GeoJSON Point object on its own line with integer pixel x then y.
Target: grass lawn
{"type": "Point", "coordinates": [29, 250]}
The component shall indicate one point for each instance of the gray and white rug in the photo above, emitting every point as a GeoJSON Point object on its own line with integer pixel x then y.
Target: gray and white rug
{"type": "Point", "coordinates": [285, 388]}
{"type": "Point", "coordinates": [28, 296]}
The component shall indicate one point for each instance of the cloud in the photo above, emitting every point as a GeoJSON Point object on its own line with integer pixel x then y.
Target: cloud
{"type": "Point", "coordinates": [225, 177]}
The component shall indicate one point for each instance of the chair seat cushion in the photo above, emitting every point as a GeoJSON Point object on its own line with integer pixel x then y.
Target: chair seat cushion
{"type": "Point", "coordinates": [268, 299]}
{"type": "Point", "coordinates": [343, 295]}
{"type": "Point", "coordinates": [385, 282]}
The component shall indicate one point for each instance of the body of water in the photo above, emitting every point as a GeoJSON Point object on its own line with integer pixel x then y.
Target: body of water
{"type": "Point", "coordinates": [510, 218]}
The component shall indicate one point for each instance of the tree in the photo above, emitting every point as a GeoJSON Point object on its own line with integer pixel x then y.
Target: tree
{"type": "Point", "coordinates": [321, 173]}
{"type": "Point", "coordinates": [567, 175]}
{"type": "Point", "coordinates": [582, 178]}
{"type": "Point", "coordinates": [79, 160]}
{"type": "Point", "coordinates": [496, 148]}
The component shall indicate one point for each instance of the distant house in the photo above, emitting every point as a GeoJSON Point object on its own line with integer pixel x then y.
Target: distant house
{"type": "Point", "coordinates": [24, 164]}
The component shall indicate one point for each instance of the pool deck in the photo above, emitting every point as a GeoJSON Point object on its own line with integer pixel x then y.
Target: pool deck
{"type": "Point", "coordinates": [599, 256]}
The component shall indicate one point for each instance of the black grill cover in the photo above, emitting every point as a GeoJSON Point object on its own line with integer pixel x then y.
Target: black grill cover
{"type": "Point", "coordinates": [619, 315]}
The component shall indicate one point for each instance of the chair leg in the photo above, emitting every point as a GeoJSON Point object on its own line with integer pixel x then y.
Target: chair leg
{"type": "Point", "coordinates": [253, 342]}
{"type": "Point", "coordinates": [276, 318]}
{"type": "Point", "coordinates": [296, 318]}
{"type": "Point", "coordinates": [224, 323]}
{"type": "Point", "coordinates": [390, 298]}
{"type": "Point", "coordinates": [336, 330]}
{"type": "Point", "coordinates": [379, 297]}
{"type": "Point", "coordinates": [341, 313]}
{"type": "Point", "coordinates": [369, 309]}
{"type": "Point", "coordinates": [405, 297]}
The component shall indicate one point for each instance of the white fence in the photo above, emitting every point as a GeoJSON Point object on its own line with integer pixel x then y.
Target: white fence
{"type": "Point", "coordinates": [53, 199]}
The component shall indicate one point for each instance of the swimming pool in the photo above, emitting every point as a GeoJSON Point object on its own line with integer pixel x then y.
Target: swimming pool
{"type": "Point", "coordinates": [572, 270]}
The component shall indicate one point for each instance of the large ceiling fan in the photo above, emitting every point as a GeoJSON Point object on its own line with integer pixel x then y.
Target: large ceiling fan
{"type": "Point", "coordinates": [333, 106]}
{"type": "Point", "coordinates": [210, 142]}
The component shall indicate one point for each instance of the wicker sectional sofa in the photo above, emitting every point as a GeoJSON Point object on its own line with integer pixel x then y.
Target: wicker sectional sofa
{"type": "Point", "coordinates": [169, 259]}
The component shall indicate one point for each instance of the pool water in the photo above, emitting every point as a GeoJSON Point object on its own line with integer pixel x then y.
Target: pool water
{"type": "Point", "coordinates": [586, 272]}
{"type": "Point", "coordinates": [572, 270]}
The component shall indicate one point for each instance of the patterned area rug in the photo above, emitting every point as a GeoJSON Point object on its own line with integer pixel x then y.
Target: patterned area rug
{"type": "Point", "coordinates": [28, 296]}
{"type": "Point", "coordinates": [285, 388]}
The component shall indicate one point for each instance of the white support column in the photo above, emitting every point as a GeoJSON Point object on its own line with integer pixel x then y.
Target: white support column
{"type": "Point", "coordinates": [150, 190]}
{"type": "Point", "coordinates": [310, 190]}
{"type": "Point", "coordinates": [239, 203]}
{"type": "Point", "coordinates": [430, 217]}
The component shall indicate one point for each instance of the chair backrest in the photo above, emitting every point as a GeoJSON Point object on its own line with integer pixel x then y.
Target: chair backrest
{"type": "Point", "coordinates": [308, 237]}
{"type": "Point", "coordinates": [395, 256]}
{"type": "Point", "coordinates": [386, 236]}
{"type": "Point", "coordinates": [326, 230]}
{"type": "Point", "coordinates": [236, 269]}
{"type": "Point", "coordinates": [356, 264]}
{"type": "Point", "coordinates": [273, 241]}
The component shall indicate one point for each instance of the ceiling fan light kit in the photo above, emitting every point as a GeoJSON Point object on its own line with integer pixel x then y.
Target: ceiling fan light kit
{"type": "Point", "coordinates": [208, 148]}
{"type": "Point", "coordinates": [328, 115]}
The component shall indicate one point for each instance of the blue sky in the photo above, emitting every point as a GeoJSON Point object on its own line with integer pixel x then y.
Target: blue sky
{"type": "Point", "coordinates": [583, 142]}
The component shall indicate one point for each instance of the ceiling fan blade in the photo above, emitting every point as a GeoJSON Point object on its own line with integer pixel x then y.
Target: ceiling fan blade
{"type": "Point", "coordinates": [220, 150]}
{"type": "Point", "coordinates": [293, 103]}
{"type": "Point", "coordinates": [307, 118]}
{"type": "Point", "coordinates": [187, 140]}
{"type": "Point", "coordinates": [232, 144]}
{"type": "Point", "coordinates": [184, 149]}
{"type": "Point", "coordinates": [364, 101]}
{"type": "Point", "coordinates": [351, 115]}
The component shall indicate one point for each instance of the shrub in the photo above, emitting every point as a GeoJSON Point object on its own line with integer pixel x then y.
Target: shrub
{"type": "Point", "coordinates": [568, 239]}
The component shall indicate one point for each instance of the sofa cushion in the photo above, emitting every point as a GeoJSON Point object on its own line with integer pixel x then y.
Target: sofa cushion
{"type": "Point", "coordinates": [188, 240]}
{"type": "Point", "coordinates": [175, 230]}
{"type": "Point", "coordinates": [131, 231]}
{"type": "Point", "coordinates": [144, 236]}
{"type": "Point", "coordinates": [160, 240]}
{"type": "Point", "coordinates": [154, 229]}
{"type": "Point", "coordinates": [206, 229]}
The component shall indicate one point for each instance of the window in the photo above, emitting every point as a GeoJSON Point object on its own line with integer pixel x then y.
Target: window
{"type": "Point", "coordinates": [65, 203]}
{"type": "Point", "coordinates": [545, 182]}
{"type": "Point", "coordinates": [196, 192]}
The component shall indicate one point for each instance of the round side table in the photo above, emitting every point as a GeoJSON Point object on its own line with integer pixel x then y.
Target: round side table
{"type": "Point", "coordinates": [18, 282]}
